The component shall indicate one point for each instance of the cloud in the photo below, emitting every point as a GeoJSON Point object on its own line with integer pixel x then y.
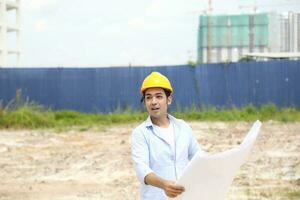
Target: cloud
{"type": "Point", "coordinates": [40, 5]}
{"type": "Point", "coordinates": [145, 24]}
{"type": "Point", "coordinates": [156, 7]}
{"type": "Point", "coordinates": [170, 8]}
{"type": "Point", "coordinates": [163, 15]}
{"type": "Point", "coordinates": [137, 23]}
{"type": "Point", "coordinates": [41, 25]}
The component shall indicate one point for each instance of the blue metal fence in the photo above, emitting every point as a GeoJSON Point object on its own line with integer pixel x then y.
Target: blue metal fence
{"type": "Point", "coordinates": [109, 89]}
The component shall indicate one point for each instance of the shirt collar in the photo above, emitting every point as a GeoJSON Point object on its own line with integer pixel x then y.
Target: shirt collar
{"type": "Point", "coordinates": [148, 122]}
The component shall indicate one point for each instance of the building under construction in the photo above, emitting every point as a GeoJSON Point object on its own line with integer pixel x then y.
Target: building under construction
{"type": "Point", "coordinates": [9, 32]}
{"type": "Point", "coordinates": [226, 38]}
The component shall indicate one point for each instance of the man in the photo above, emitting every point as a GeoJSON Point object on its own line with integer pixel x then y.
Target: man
{"type": "Point", "coordinates": [162, 145]}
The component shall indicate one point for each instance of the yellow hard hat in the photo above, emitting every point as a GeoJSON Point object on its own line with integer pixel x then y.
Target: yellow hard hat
{"type": "Point", "coordinates": [156, 79]}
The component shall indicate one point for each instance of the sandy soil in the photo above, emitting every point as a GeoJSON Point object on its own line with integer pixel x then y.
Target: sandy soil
{"type": "Point", "coordinates": [96, 164]}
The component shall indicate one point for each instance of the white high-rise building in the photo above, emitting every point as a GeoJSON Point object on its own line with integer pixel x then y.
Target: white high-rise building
{"type": "Point", "coordinates": [9, 29]}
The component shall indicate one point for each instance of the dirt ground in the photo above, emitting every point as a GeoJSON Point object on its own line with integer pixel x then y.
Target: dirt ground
{"type": "Point", "coordinates": [82, 164]}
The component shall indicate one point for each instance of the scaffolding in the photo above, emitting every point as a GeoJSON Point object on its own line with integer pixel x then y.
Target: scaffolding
{"type": "Point", "coordinates": [6, 29]}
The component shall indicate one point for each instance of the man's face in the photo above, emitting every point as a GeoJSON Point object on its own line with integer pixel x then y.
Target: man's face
{"type": "Point", "coordinates": [157, 102]}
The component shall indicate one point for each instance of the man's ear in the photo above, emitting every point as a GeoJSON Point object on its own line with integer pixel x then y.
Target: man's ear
{"type": "Point", "coordinates": [169, 100]}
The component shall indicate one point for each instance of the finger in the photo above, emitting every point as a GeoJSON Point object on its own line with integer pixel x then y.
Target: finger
{"type": "Point", "coordinates": [177, 188]}
{"type": "Point", "coordinates": [172, 195]}
{"type": "Point", "coordinates": [176, 192]}
{"type": "Point", "coordinates": [180, 187]}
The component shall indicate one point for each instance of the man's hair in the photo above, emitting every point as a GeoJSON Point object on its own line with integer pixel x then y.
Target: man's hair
{"type": "Point", "coordinates": [167, 92]}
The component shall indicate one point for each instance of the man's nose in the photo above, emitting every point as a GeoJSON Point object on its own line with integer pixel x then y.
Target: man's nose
{"type": "Point", "coordinates": [154, 100]}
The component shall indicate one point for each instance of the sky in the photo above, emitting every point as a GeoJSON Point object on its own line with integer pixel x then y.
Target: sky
{"type": "Point", "coordinates": [101, 33]}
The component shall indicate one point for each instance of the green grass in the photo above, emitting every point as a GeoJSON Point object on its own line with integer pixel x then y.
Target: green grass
{"type": "Point", "coordinates": [293, 195]}
{"type": "Point", "coordinates": [247, 113]}
{"type": "Point", "coordinates": [33, 116]}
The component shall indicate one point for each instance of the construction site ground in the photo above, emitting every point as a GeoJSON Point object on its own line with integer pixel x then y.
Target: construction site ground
{"type": "Point", "coordinates": [95, 163]}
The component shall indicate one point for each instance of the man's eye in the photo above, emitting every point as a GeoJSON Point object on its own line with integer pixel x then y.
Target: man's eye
{"type": "Point", "coordinates": [148, 97]}
{"type": "Point", "coordinates": [159, 97]}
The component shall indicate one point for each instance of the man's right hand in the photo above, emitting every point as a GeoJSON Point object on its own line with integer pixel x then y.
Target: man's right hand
{"type": "Point", "coordinates": [171, 189]}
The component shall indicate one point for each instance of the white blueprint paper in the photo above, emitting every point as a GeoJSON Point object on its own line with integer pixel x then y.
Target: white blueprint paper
{"type": "Point", "coordinates": [208, 177]}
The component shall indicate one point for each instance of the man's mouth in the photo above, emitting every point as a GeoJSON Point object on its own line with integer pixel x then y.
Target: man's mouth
{"type": "Point", "coordinates": [154, 108]}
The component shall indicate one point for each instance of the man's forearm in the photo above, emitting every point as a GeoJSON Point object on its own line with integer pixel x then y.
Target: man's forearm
{"type": "Point", "coordinates": [154, 180]}
{"type": "Point", "coordinates": [170, 188]}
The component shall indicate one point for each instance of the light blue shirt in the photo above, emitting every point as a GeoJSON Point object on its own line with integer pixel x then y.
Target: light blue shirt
{"type": "Point", "coordinates": [151, 153]}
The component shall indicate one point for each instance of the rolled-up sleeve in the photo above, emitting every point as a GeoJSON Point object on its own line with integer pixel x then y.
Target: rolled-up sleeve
{"type": "Point", "coordinates": [194, 146]}
{"type": "Point", "coordinates": [140, 155]}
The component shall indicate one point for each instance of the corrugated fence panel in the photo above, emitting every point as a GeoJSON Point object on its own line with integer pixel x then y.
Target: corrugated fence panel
{"type": "Point", "coordinates": [110, 89]}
